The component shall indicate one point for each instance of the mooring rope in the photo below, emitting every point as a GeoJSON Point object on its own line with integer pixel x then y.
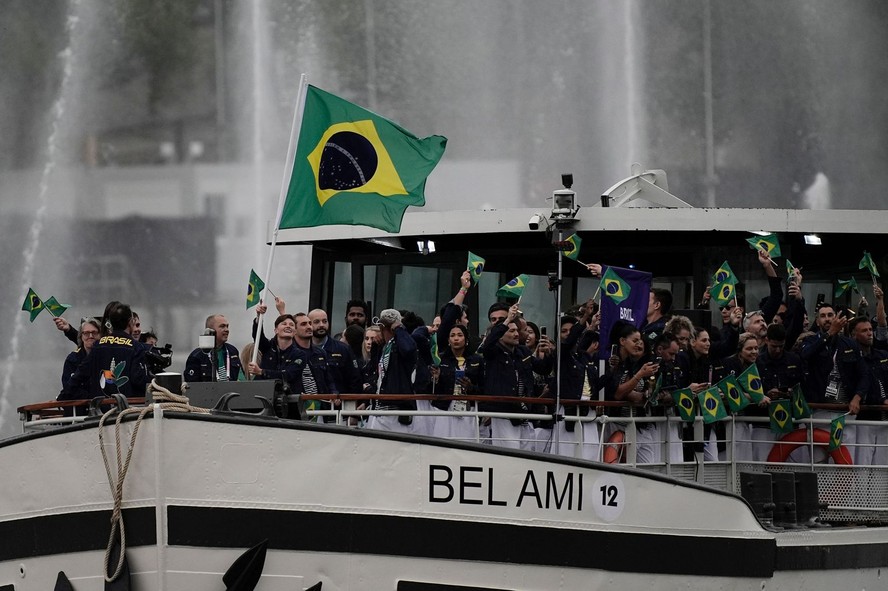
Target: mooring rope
{"type": "Point", "coordinates": [166, 400]}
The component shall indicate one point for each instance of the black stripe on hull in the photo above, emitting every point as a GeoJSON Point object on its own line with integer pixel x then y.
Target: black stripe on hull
{"type": "Point", "coordinates": [73, 532]}
{"type": "Point", "coordinates": [468, 540]}
{"type": "Point", "coordinates": [836, 556]}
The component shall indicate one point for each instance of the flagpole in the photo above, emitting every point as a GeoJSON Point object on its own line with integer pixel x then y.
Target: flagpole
{"type": "Point", "coordinates": [285, 183]}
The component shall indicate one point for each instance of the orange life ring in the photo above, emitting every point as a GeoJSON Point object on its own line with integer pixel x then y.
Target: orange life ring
{"type": "Point", "coordinates": [613, 453]}
{"type": "Point", "coordinates": [789, 442]}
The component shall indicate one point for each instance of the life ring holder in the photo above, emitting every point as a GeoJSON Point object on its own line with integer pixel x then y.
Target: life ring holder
{"type": "Point", "coordinates": [789, 442]}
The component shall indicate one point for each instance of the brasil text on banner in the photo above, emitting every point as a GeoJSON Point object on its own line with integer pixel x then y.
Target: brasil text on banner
{"type": "Point", "coordinates": [632, 309]}
{"type": "Point", "coordinates": [353, 167]}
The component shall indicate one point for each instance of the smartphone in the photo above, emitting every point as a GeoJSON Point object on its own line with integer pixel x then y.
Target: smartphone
{"type": "Point", "coordinates": [460, 374]}
{"type": "Point", "coordinates": [615, 348]}
{"type": "Point", "coordinates": [543, 331]}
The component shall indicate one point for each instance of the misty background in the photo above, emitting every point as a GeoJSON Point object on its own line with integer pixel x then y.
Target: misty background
{"type": "Point", "coordinates": [142, 141]}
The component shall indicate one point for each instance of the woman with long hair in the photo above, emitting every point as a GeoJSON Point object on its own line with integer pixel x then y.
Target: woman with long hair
{"type": "Point", "coordinates": [745, 433]}
{"type": "Point", "coordinates": [455, 377]}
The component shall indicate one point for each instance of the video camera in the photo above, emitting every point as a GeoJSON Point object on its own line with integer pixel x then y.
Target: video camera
{"type": "Point", "coordinates": [158, 359]}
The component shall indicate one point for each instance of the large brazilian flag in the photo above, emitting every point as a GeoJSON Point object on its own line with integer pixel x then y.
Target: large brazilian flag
{"type": "Point", "coordinates": [354, 167]}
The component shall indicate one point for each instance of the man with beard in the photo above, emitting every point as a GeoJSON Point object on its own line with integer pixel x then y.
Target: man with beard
{"type": "Point", "coordinates": [356, 312]}
{"type": "Point", "coordinates": [222, 364]}
{"type": "Point", "coordinates": [818, 352]}
{"type": "Point", "coordinates": [340, 359]}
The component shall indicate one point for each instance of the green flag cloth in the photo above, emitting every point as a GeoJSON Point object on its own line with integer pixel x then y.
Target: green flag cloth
{"type": "Point", "coordinates": [436, 356]}
{"type": "Point", "coordinates": [790, 268]}
{"type": "Point", "coordinates": [33, 304]}
{"type": "Point", "coordinates": [723, 293]}
{"type": "Point", "coordinates": [751, 382]}
{"type": "Point", "coordinates": [572, 246]}
{"type": "Point", "coordinates": [844, 286]}
{"type": "Point", "coordinates": [780, 412]}
{"type": "Point", "coordinates": [869, 264]}
{"type": "Point", "coordinates": [514, 288]}
{"type": "Point", "coordinates": [836, 430]}
{"type": "Point", "coordinates": [733, 392]}
{"type": "Point", "coordinates": [800, 408]}
{"type": "Point", "coordinates": [254, 289]}
{"type": "Point", "coordinates": [725, 274]}
{"type": "Point", "coordinates": [54, 307]}
{"type": "Point", "coordinates": [769, 243]}
{"type": "Point", "coordinates": [354, 167]}
{"type": "Point", "coordinates": [475, 266]}
{"type": "Point", "coordinates": [684, 403]}
{"type": "Point", "coordinates": [613, 286]}
{"type": "Point", "coordinates": [711, 406]}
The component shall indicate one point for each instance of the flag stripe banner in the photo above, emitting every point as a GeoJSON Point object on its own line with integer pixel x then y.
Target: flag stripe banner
{"type": "Point", "coordinates": [354, 167]}
{"type": "Point", "coordinates": [254, 289]}
{"type": "Point", "coordinates": [711, 406]}
{"type": "Point", "coordinates": [475, 266]}
{"type": "Point", "coordinates": [781, 416]}
{"type": "Point", "coordinates": [33, 304]}
{"type": "Point", "coordinates": [625, 296]}
{"type": "Point", "coordinates": [572, 247]}
{"type": "Point", "coordinates": [514, 288]}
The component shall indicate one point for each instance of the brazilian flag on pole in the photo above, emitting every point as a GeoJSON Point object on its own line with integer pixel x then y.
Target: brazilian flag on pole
{"type": "Point", "coordinates": [780, 412]}
{"type": "Point", "coordinates": [836, 430]}
{"type": "Point", "coordinates": [800, 408]}
{"type": "Point", "coordinates": [769, 243]}
{"type": "Point", "coordinates": [725, 274]}
{"type": "Point", "coordinates": [869, 264]}
{"type": "Point", "coordinates": [684, 403]}
{"type": "Point", "coordinates": [751, 381]}
{"type": "Point", "coordinates": [613, 286]}
{"type": "Point", "coordinates": [436, 355]}
{"type": "Point", "coordinates": [711, 406]}
{"type": "Point", "coordinates": [353, 167]}
{"type": "Point", "coordinates": [844, 286]}
{"type": "Point", "coordinates": [54, 307]}
{"type": "Point", "coordinates": [475, 266]}
{"type": "Point", "coordinates": [33, 304]}
{"type": "Point", "coordinates": [514, 288]}
{"type": "Point", "coordinates": [254, 289]}
{"type": "Point", "coordinates": [723, 293]}
{"type": "Point", "coordinates": [734, 395]}
{"type": "Point", "coordinates": [572, 246]}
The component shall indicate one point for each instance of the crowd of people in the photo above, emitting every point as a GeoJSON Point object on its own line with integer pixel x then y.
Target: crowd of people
{"type": "Point", "coordinates": [841, 357]}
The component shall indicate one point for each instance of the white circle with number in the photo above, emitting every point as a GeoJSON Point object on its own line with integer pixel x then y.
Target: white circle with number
{"type": "Point", "coordinates": [608, 497]}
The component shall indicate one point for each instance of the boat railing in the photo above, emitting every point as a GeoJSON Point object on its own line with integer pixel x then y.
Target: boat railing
{"type": "Point", "coordinates": [692, 451]}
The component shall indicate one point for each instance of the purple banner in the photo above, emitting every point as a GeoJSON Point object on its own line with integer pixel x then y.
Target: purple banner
{"type": "Point", "coordinates": [625, 294]}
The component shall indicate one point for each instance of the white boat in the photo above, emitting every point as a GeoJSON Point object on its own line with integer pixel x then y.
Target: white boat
{"type": "Point", "coordinates": [354, 509]}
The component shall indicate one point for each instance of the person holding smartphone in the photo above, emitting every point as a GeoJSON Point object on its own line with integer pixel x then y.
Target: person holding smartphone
{"type": "Point", "coordinates": [455, 377]}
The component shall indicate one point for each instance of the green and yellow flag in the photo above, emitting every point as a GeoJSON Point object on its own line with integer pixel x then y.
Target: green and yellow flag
{"type": "Point", "coordinates": [33, 304]}
{"type": "Point", "coordinates": [725, 274]}
{"type": "Point", "coordinates": [723, 293]}
{"type": "Point", "coordinates": [436, 356]}
{"type": "Point", "coordinates": [734, 395]}
{"type": "Point", "coordinates": [684, 403]}
{"type": "Point", "coordinates": [254, 289]}
{"type": "Point", "coordinates": [613, 286]}
{"type": "Point", "coordinates": [514, 288]}
{"type": "Point", "coordinates": [354, 167]}
{"type": "Point", "coordinates": [869, 264]}
{"type": "Point", "coordinates": [751, 382]}
{"type": "Point", "coordinates": [475, 266]}
{"type": "Point", "coordinates": [769, 243]}
{"type": "Point", "coordinates": [800, 408]}
{"type": "Point", "coordinates": [711, 406]}
{"type": "Point", "coordinates": [54, 307]}
{"type": "Point", "coordinates": [572, 246]}
{"type": "Point", "coordinates": [781, 415]}
{"type": "Point", "coordinates": [844, 286]}
{"type": "Point", "coordinates": [836, 430]}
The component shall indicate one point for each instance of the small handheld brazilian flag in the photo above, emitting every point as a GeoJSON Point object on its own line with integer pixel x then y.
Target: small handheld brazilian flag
{"type": "Point", "coordinates": [869, 264]}
{"type": "Point", "coordinates": [844, 286]}
{"type": "Point", "coordinates": [751, 382]}
{"type": "Point", "coordinates": [790, 268]}
{"type": "Point", "coordinates": [613, 286]}
{"type": "Point", "coordinates": [514, 288]}
{"type": "Point", "coordinates": [254, 289]}
{"type": "Point", "coordinates": [684, 403]}
{"type": "Point", "coordinates": [723, 293]}
{"type": "Point", "coordinates": [475, 266]}
{"type": "Point", "coordinates": [54, 307]}
{"type": "Point", "coordinates": [781, 416]}
{"type": "Point", "coordinates": [800, 408]}
{"type": "Point", "coordinates": [725, 274]}
{"type": "Point", "coordinates": [572, 246]}
{"type": "Point", "coordinates": [767, 243]}
{"type": "Point", "coordinates": [836, 431]}
{"type": "Point", "coordinates": [711, 406]}
{"type": "Point", "coordinates": [33, 304]}
{"type": "Point", "coordinates": [734, 395]}
{"type": "Point", "coordinates": [433, 345]}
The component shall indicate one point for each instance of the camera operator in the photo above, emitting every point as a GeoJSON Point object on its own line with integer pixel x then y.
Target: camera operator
{"type": "Point", "coordinates": [157, 358]}
{"type": "Point", "coordinates": [222, 363]}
